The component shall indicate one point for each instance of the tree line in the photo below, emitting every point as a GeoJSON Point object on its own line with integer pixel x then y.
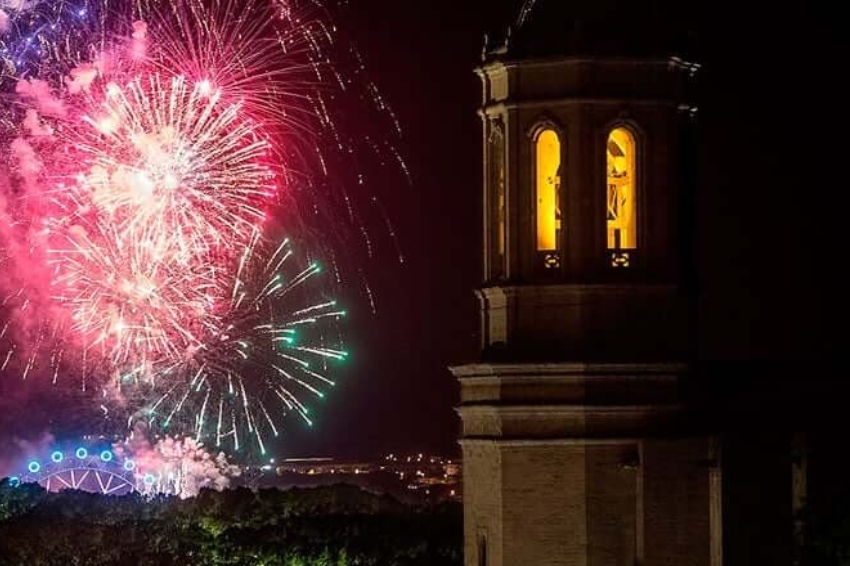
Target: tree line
{"type": "Point", "coordinates": [325, 526]}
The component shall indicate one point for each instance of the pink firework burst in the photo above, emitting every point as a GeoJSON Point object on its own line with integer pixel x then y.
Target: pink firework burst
{"type": "Point", "coordinates": [146, 142]}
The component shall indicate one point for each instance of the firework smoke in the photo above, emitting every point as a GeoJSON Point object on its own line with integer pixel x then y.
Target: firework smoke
{"type": "Point", "coordinates": [180, 467]}
{"type": "Point", "coordinates": [17, 450]}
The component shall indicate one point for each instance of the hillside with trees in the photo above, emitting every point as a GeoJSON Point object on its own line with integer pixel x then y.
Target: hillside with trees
{"type": "Point", "coordinates": [330, 526]}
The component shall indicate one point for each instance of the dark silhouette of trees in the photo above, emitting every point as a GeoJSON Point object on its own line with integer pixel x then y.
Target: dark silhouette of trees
{"type": "Point", "coordinates": [328, 526]}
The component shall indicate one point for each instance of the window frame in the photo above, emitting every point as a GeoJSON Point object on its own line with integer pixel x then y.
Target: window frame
{"type": "Point", "coordinates": [640, 213]}
{"type": "Point", "coordinates": [497, 227]}
{"type": "Point", "coordinates": [548, 260]}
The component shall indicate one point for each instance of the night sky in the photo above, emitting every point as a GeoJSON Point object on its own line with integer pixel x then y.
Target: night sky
{"type": "Point", "coordinates": [768, 205]}
{"type": "Point", "coordinates": [399, 394]}
{"type": "Point", "coordinates": [769, 222]}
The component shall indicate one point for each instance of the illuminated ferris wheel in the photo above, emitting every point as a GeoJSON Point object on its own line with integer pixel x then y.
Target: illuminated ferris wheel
{"type": "Point", "coordinates": [98, 472]}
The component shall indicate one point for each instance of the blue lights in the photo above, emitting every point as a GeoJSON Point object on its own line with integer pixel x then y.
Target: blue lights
{"type": "Point", "coordinates": [35, 21]}
{"type": "Point", "coordinates": [149, 479]}
{"type": "Point", "coordinates": [62, 462]}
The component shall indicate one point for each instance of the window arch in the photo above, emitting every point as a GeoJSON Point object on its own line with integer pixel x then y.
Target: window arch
{"type": "Point", "coordinates": [621, 171]}
{"type": "Point", "coordinates": [547, 150]}
{"type": "Point", "coordinates": [498, 199]}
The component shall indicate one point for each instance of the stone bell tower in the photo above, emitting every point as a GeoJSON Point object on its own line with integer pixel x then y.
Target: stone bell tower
{"type": "Point", "coordinates": [577, 448]}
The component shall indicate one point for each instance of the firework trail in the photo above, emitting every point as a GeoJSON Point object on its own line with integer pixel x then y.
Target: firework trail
{"type": "Point", "coordinates": [162, 155]}
{"type": "Point", "coordinates": [272, 349]}
{"type": "Point", "coordinates": [145, 145]}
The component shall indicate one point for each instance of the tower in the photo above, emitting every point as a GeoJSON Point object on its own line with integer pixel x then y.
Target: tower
{"type": "Point", "coordinates": [576, 444]}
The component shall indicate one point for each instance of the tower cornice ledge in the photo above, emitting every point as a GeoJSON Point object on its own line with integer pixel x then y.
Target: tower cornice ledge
{"type": "Point", "coordinates": [497, 64]}
{"type": "Point", "coordinates": [575, 289]}
{"type": "Point", "coordinates": [509, 386]}
{"type": "Point", "coordinates": [499, 108]}
{"type": "Point", "coordinates": [570, 371]}
{"type": "Point", "coordinates": [540, 400]}
{"type": "Point", "coordinates": [560, 421]}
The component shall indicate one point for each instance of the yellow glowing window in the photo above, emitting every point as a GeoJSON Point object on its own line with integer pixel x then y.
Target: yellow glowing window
{"type": "Point", "coordinates": [622, 209]}
{"type": "Point", "coordinates": [548, 172]}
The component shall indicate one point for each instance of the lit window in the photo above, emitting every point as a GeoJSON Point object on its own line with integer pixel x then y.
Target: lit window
{"type": "Point", "coordinates": [622, 209]}
{"type": "Point", "coordinates": [548, 181]}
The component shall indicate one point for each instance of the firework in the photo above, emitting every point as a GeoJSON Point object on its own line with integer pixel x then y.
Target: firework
{"type": "Point", "coordinates": [133, 300]}
{"type": "Point", "coordinates": [145, 145]}
{"type": "Point", "coordinates": [172, 159]}
{"type": "Point", "coordinates": [276, 346]}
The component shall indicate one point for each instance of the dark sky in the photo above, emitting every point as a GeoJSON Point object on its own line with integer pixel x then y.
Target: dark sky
{"type": "Point", "coordinates": [769, 224]}
{"type": "Point", "coordinates": [400, 394]}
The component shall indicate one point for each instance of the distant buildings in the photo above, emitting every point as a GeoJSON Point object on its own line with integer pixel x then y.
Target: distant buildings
{"type": "Point", "coordinates": [411, 478]}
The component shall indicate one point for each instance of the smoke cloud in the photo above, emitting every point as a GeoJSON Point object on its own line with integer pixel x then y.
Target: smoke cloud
{"type": "Point", "coordinates": [140, 40]}
{"type": "Point", "coordinates": [82, 78]}
{"type": "Point", "coordinates": [177, 466]}
{"type": "Point", "coordinates": [28, 164]}
{"type": "Point", "coordinates": [18, 5]}
{"type": "Point", "coordinates": [39, 93]}
{"type": "Point", "coordinates": [32, 124]}
{"type": "Point", "coordinates": [17, 451]}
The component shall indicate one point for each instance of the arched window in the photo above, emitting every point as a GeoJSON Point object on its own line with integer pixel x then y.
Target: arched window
{"type": "Point", "coordinates": [548, 183]}
{"type": "Point", "coordinates": [498, 228]}
{"type": "Point", "coordinates": [622, 191]}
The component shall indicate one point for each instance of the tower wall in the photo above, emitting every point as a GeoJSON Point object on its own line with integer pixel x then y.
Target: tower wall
{"type": "Point", "coordinates": [575, 440]}
{"type": "Point", "coordinates": [583, 464]}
